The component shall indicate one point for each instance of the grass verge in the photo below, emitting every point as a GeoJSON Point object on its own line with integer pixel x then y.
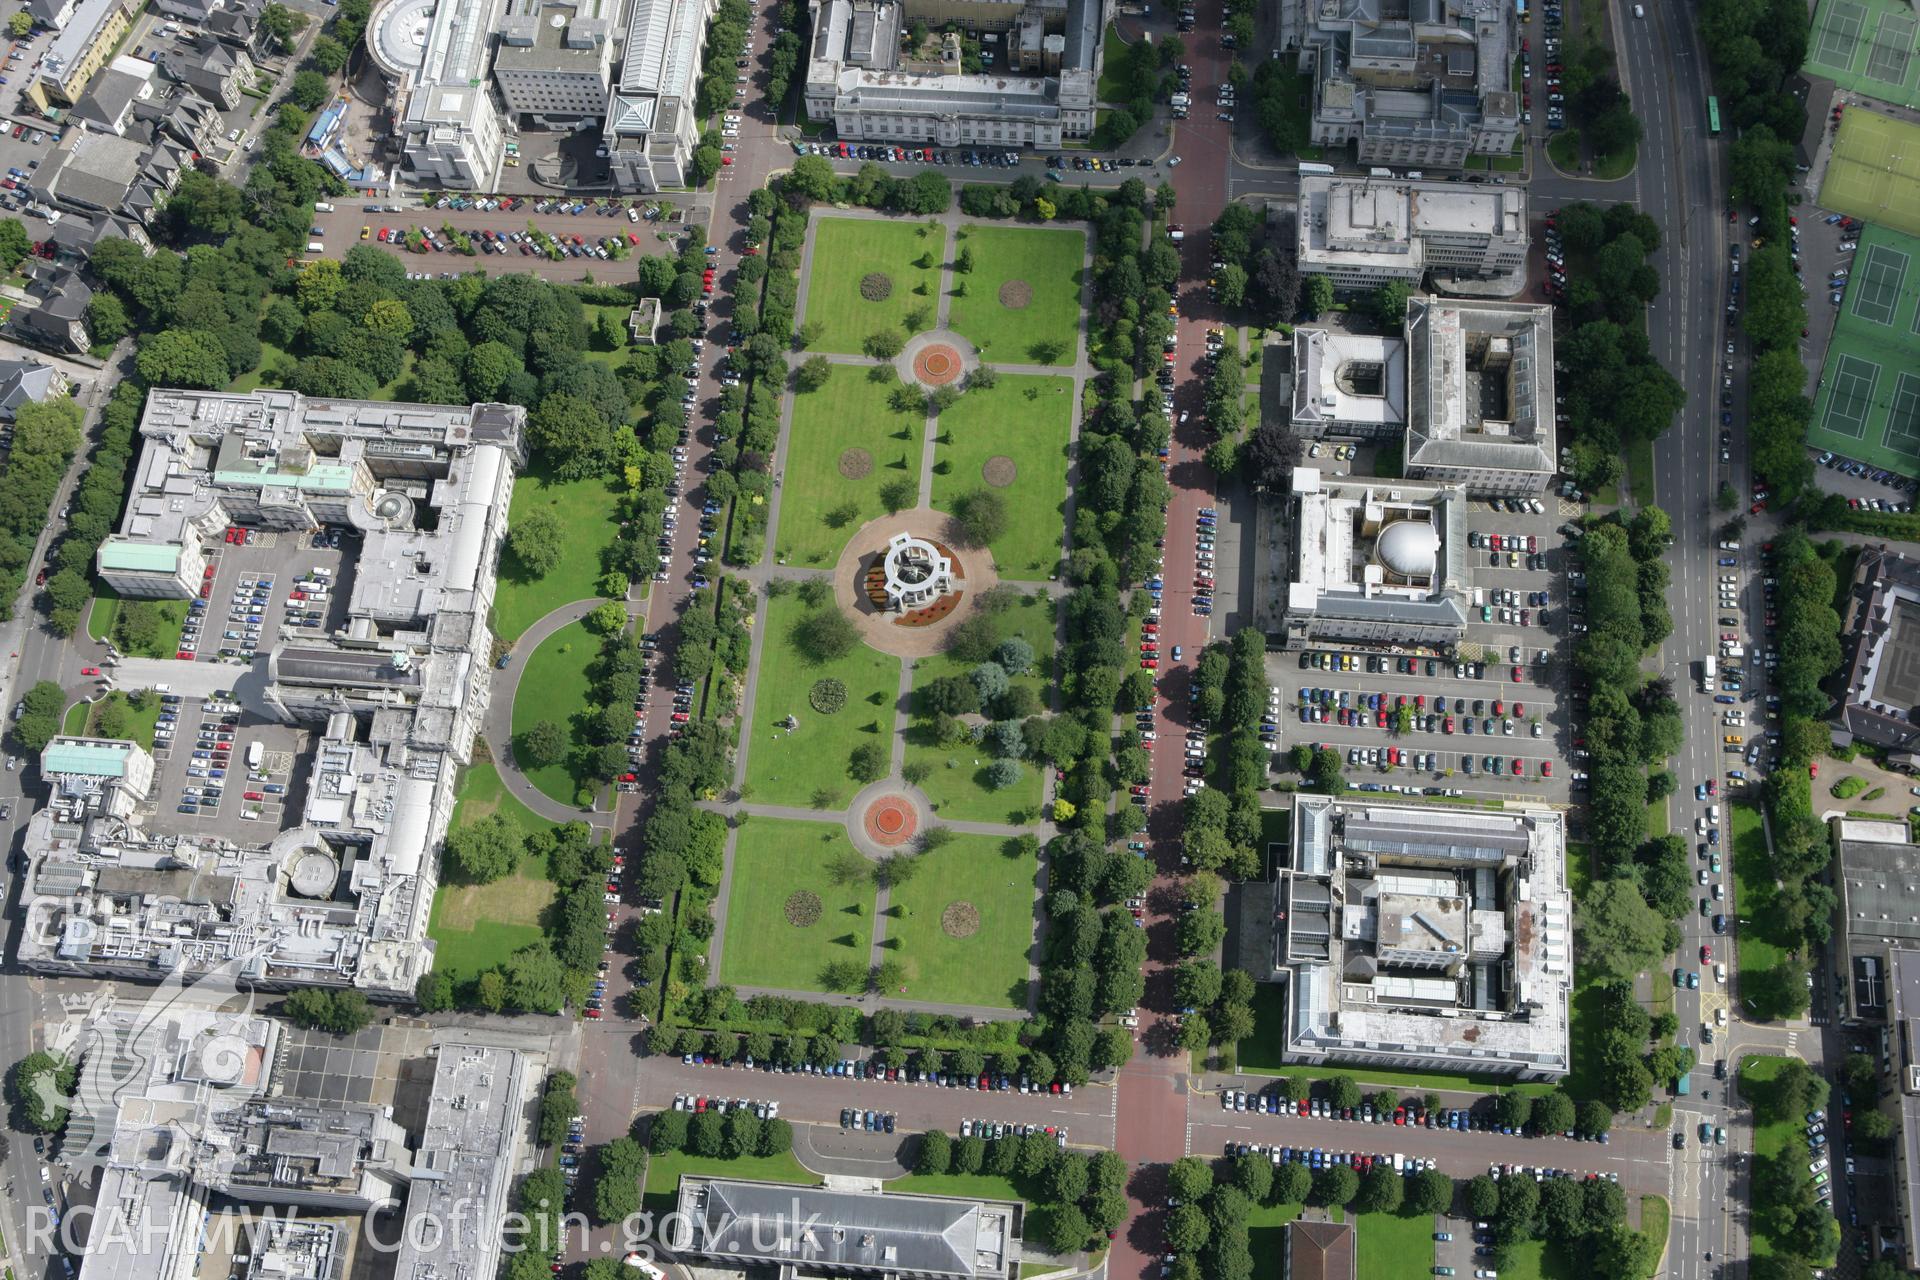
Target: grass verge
{"type": "Point", "coordinates": [785, 917]}
{"type": "Point", "coordinates": [554, 686]}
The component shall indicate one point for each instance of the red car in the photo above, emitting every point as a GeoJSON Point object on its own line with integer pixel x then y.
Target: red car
{"type": "Point", "coordinates": [89, 671]}
{"type": "Point", "coordinates": [1516, 768]}
{"type": "Point", "coordinates": [1516, 675]}
{"type": "Point", "coordinates": [253, 795]}
{"type": "Point", "coordinates": [184, 655]}
{"type": "Point", "coordinates": [1446, 726]}
{"type": "Point", "coordinates": [594, 1014]}
{"type": "Point", "coordinates": [1713, 786]}
{"type": "Point", "coordinates": [1151, 664]}
{"type": "Point", "coordinates": [1546, 768]}
{"type": "Point", "coordinates": [680, 717]}
{"type": "Point", "coordinates": [40, 578]}
{"type": "Point", "coordinates": [1706, 954]}
{"type": "Point", "coordinates": [1813, 768]}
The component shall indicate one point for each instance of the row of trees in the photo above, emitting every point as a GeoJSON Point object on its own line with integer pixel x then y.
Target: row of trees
{"type": "Point", "coordinates": [1616, 391]}
{"type": "Point", "coordinates": [1596, 104]}
{"type": "Point", "coordinates": [1082, 1197]}
{"type": "Point", "coordinates": [1799, 918]}
{"type": "Point", "coordinates": [340, 1012]}
{"type": "Point", "coordinates": [1260, 269]}
{"type": "Point", "coordinates": [1786, 1208]}
{"type": "Point", "coordinates": [45, 438]}
{"type": "Point", "coordinates": [91, 515]}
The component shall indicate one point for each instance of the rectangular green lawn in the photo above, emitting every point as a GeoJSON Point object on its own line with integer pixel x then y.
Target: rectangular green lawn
{"type": "Point", "coordinates": [957, 787]}
{"type": "Point", "coordinates": [824, 473]}
{"type": "Point", "coordinates": [790, 767]}
{"type": "Point", "coordinates": [476, 926]}
{"type": "Point", "coordinates": [988, 966]}
{"type": "Point", "coordinates": [1391, 1247]}
{"type": "Point", "coordinates": [105, 614]}
{"type": "Point", "coordinates": [587, 510]}
{"type": "Point", "coordinates": [665, 1171]}
{"type": "Point", "coordinates": [845, 252]}
{"type": "Point", "coordinates": [773, 860]}
{"type": "Point", "coordinates": [1049, 263]}
{"type": "Point", "coordinates": [1027, 420]}
{"type": "Point", "coordinates": [554, 686]}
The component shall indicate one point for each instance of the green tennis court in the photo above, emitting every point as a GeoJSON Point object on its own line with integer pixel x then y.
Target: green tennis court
{"type": "Point", "coordinates": [1868, 404]}
{"type": "Point", "coordinates": [1868, 47]}
{"type": "Point", "coordinates": [1874, 172]}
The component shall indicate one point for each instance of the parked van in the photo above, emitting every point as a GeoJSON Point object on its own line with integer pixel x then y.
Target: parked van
{"type": "Point", "coordinates": [314, 246]}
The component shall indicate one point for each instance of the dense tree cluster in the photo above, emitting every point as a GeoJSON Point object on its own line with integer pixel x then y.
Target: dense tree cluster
{"type": "Point", "coordinates": [38, 1088]}
{"type": "Point", "coordinates": [342, 1012]}
{"type": "Point", "coordinates": [542, 1204]}
{"type": "Point", "coordinates": [1786, 1208]}
{"type": "Point", "coordinates": [1616, 392]}
{"type": "Point", "coordinates": [45, 438]}
{"type": "Point", "coordinates": [714, 1135]}
{"type": "Point", "coordinates": [1259, 266]}
{"type": "Point", "coordinates": [558, 1106]}
{"type": "Point", "coordinates": [40, 714]}
{"type": "Point", "coordinates": [1083, 1196]}
{"type": "Point", "coordinates": [783, 58]}
{"type": "Point", "coordinates": [1801, 905]}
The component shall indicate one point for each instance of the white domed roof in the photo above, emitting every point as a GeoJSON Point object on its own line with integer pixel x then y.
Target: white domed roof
{"type": "Point", "coordinates": [1409, 548]}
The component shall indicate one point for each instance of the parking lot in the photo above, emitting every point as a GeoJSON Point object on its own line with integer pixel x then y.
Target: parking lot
{"type": "Point", "coordinates": [340, 230]}
{"type": "Point", "coordinates": [1354, 694]}
{"type": "Point", "coordinates": [266, 588]}
{"type": "Point", "coordinates": [208, 780]}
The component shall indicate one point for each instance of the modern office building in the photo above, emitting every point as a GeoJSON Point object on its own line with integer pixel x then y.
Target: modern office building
{"type": "Point", "coordinates": [827, 1231]}
{"type": "Point", "coordinates": [390, 700]}
{"type": "Point", "coordinates": [1425, 938]}
{"type": "Point", "coordinates": [652, 120]}
{"type": "Point", "coordinates": [1421, 84]}
{"type": "Point", "coordinates": [83, 46]}
{"type": "Point", "coordinates": [554, 61]}
{"type": "Point", "coordinates": [1375, 561]}
{"type": "Point", "coordinates": [183, 1110]}
{"type": "Point", "coordinates": [1348, 385]}
{"type": "Point", "coordinates": [1361, 232]}
{"type": "Point", "coordinates": [436, 56]}
{"type": "Point", "coordinates": [1881, 634]}
{"type": "Point", "coordinates": [1902, 1047]}
{"type": "Point", "coordinates": [1040, 90]}
{"type": "Point", "coordinates": [1878, 865]}
{"type": "Point", "coordinates": [1480, 395]}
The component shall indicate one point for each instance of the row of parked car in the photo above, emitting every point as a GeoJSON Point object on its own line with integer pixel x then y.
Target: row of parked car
{"type": "Point", "coordinates": [997, 1129]}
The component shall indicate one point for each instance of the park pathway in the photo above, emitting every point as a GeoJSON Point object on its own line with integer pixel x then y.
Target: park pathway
{"type": "Point", "coordinates": [498, 726]}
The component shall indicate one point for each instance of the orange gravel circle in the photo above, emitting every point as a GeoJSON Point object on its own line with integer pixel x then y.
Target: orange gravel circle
{"type": "Point", "coordinates": [890, 821]}
{"type": "Point", "coordinates": [936, 365]}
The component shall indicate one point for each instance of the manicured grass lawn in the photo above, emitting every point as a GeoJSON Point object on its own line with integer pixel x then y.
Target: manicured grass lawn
{"type": "Point", "coordinates": [774, 860]}
{"type": "Point", "coordinates": [1049, 262]}
{"type": "Point", "coordinates": [1391, 1247]}
{"type": "Point", "coordinates": [810, 763]}
{"type": "Point", "coordinates": [846, 251]}
{"type": "Point", "coordinates": [106, 612]}
{"type": "Point", "coordinates": [988, 967]}
{"type": "Point", "coordinates": [665, 1171]}
{"type": "Point", "coordinates": [957, 787]}
{"type": "Point", "coordinates": [849, 413]}
{"type": "Point", "coordinates": [586, 510]}
{"type": "Point", "coordinates": [617, 356]}
{"type": "Point", "coordinates": [1759, 961]}
{"type": "Point", "coordinates": [84, 719]}
{"type": "Point", "coordinates": [554, 687]}
{"type": "Point", "coordinates": [477, 926]}
{"type": "Point", "coordinates": [1027, 419]}
{"type": "Point", "coordinates": [1267, 1238]}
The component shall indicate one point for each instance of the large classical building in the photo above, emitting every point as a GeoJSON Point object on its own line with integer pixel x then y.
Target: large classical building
{"type": "Point", "coordinates": [1480, 395]}
{"type": "Point", "coordinates": [1409, 82]}
{"type": "Point", "coordinates": [1350, 385]}
{"type": "Point", "coordinates": [1377, 561]}
{"type": "Point", "coordinates": [1361, 232]}
{"type": "Point", "coordinates": [390, 700]}
{"type": "Point", "coordinates": [1880, 701]}
{"type": "Point", "coordinates": [795, 1231]}
{"type": "Point", "coordinates": [1041, 90]}
{"type": "Point", "coordinates": [1425, 938]}
{"type": "Point", "coordinates": [652, 120]}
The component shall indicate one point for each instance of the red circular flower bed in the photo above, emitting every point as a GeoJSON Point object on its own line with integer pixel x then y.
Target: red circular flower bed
{"type": "Point", "coordinates": [890, 821]}
{"type": "Point", "coordinates": [937, 365]}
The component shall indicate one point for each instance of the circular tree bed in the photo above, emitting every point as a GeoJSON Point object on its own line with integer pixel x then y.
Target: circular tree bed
{"type": "Point", "coordinates": [999, 471]}
{"type": "Point", "coordinates": [890, 821]}
{"type": "Point", "coordinates": [937, 364]}
{"type": "Point", "coordinates": [856, 464]}
{"type": "Point", "coordinates": [960, 920]}
{"type": "Point", "coordinates": [828, 696]}
{"type": "Point", "coordinates": [803, 909]}
{"type": "Point", "coordinates": [1016, 295]}
{"type": "Point", "coordinates": [876, 286]}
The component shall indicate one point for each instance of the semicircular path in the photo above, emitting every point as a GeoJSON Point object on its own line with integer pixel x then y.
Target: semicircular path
{"type": "Point", "coordinates": [499, 722]}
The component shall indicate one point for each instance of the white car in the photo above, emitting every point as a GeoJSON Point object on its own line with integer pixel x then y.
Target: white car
{"type": "Point", "coordinates": [1848, 246]}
